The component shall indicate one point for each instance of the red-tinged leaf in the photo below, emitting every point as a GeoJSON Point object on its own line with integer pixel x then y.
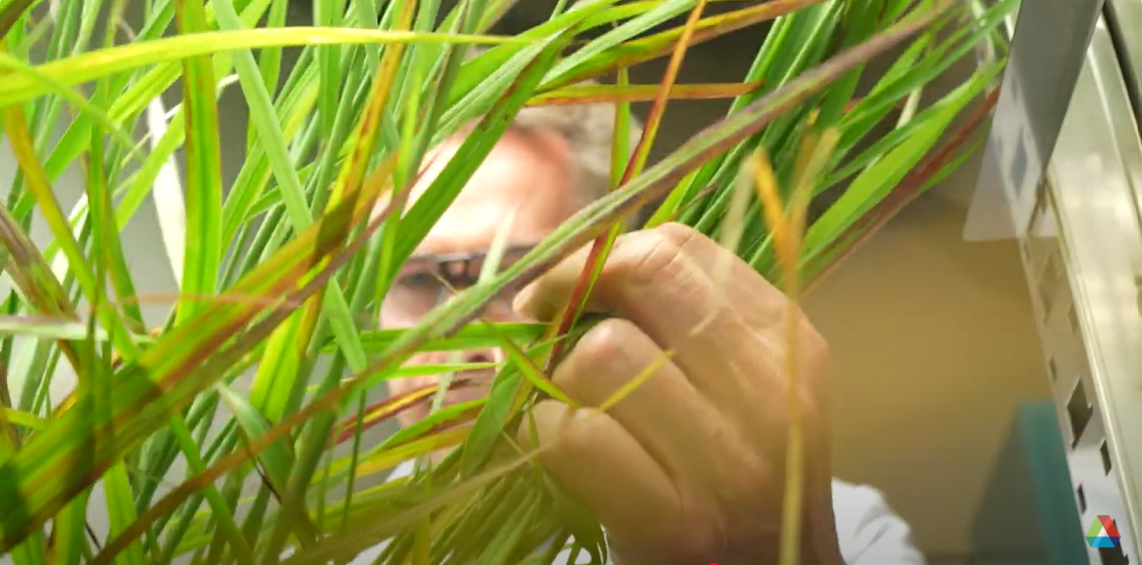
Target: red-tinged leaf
{"type": "Point", "coordinates": [40, 188]}
{"type": "Point", "coordinates": [27, 267]}
{"type": "Point", "coordinates": [601, 247]}
{"type": "Point", "coordinates": [441, 436]}
{"type": "Point", "coordinates": [391, 407]}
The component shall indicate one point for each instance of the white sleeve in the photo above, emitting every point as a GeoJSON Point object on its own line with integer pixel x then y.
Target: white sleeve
{"type": "Point", "coordinates": [868, 530]}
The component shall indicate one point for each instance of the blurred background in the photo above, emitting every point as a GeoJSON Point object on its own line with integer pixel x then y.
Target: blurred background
{"type": "Point", "coordinates": [933, 339]}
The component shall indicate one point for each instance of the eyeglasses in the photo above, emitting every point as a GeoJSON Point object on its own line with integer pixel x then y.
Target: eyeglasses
{"type": "Point", "coordinates": [426, 281]}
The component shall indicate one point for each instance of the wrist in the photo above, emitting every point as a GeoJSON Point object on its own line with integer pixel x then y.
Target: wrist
{"type": "Point", "coordinates": [820, 543]}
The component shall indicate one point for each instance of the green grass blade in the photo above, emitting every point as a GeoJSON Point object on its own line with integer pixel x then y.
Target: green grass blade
{"type": "Point", "coordinates": [920, 179]}
{"type": "Point", "coordinates": [90, 66]}
{"type": "Point", "coordinates": [108, 249]}
{"type": "Point", "coordinates": [121, 512]}
{"type": "Point", "coordinates": [43, 327]}
{"type": "Point", "coordinates": [129, 101]}
{"type": "Point", "coordinates": [623, 32]}
{"type": "Point", "coordinates": [326, 14]}
{"type": "Point", "coordinates": [71, 526]}
{"type": "Point", "coordinates": [278, 459]}
{"type": "Point", "coordinates": [206, 374]}
{"type": "Point", "coordinates": [532, 372]}
{"type": "Point", "coordinates": [878, 179]}
{"type": "Point", "coordinates": [275, 383]}
{"type": "Point", "coordinates": [203, 240]}
{"type": "Point", "coordinates": [220, 512]}
{"type": "Point", "coordinates": [643, 49]}
{"type": "Point", "coordinates": [15, 66]}
{"type": "Point", "coordinates": [31, 552]}
{"type": "Point", "coordinates": [18, 418]}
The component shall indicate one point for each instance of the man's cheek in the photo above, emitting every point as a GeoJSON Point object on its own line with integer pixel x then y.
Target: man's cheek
{"type": "Point", "coordinates": [413, 383]}
{"type": "Point", "coordinates": [407, 385]}
{"type": "Point", "coordinates": [429, 358]}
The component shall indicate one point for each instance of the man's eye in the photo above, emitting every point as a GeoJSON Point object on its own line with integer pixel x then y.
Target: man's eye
{"type": "Point", "coordinates": [419, 281]}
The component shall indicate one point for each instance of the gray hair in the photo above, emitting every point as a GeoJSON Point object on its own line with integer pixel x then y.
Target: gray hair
{"type": "Point", "coordinates": [589, 130]}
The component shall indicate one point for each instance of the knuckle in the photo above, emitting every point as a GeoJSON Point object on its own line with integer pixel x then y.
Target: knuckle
{"type": "Point", "coordinates": [596, 352]}
{"type": "Point", "coordinates": [678, 232]}
{"type": "Point", "coordinates": [755, 470]}
{"type": "Point", "coordinates": [540, 425]}
{"type": "Point", "coordinates": [569, 433]}
{"type": "Point", "coordinates": [701, 541]}
{"type": "Point", "coordinates": [605, 340]}
{"type": "Point", "coordinates": [751, 471]}
{"type": "Point", "coordinates": [816, 347]}
{"type": "Point", "coordinates": [650, 257]}
{"type": "Point", "coordinates": [813, 337]}
{"type": "Point", "coordinates": [813, 408]}
{"type": "Point", "coordinates": [811, 344]}
{"type": "Point", "coordinates": [654, 256]}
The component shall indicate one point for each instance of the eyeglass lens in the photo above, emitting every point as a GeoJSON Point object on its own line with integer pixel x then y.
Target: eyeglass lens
{"type": "Point", "coordinates": [427, 281]}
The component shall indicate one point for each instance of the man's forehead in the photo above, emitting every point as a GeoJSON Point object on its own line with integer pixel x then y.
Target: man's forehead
{"type": "Point", "coordinates": [526, 176]}
{"type": "Point", "coordinates": [516, 149]}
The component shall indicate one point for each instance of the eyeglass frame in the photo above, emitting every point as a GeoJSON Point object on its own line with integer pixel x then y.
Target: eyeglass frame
{"type": "Point", "coordinates": [439, 265]}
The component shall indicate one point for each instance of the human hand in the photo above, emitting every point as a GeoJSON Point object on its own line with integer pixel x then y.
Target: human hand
{"type": "Point", "coordinates": [689, 468]}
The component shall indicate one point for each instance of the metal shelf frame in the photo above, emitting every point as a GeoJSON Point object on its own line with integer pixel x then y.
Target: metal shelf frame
{"type": "Point", "coordinates": [1078, 217]}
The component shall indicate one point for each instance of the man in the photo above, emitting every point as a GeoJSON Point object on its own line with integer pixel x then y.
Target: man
{"type": "Point", "coordinates": [686, 469]}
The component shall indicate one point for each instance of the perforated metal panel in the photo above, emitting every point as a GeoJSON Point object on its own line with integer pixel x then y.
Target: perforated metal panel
{"type": "Point", "coordinates": [1082, 253]}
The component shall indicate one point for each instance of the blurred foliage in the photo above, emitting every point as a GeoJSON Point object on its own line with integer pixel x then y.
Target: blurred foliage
{"type": "Point", "coordinates": [286, 263]}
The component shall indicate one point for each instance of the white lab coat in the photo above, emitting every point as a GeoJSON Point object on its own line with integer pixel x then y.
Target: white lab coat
{"type": "Point", "coordinates": [870, 533]}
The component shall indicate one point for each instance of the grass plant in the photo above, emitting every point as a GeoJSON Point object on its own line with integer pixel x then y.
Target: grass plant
{"type": "Point", "coordinates": [288, 263]}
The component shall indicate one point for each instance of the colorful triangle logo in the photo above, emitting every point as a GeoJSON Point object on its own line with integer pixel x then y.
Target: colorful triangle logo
{"type": "Point", "coordinates": [1102, 533]}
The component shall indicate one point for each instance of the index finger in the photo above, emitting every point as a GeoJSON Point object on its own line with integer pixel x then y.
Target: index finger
{"type": "Point", "coordinates": [663, 281]}
{"type": "Point", "coordinates": [672, 264]}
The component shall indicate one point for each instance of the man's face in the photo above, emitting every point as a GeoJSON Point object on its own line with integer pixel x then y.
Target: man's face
{"type": "Point", "coordinates": [526, 178]}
